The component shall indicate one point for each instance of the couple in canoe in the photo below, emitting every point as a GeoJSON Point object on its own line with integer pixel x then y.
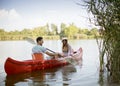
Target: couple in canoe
{"type": "Point", "coordinates": [66, 49]}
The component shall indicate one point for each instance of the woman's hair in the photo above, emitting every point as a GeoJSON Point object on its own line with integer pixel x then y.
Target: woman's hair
{"type": "Point", "coordinates": [65, 41]}
{"type": "Point", "coordinates": [66, 44]}
{"type": "Point", "coordinates": [39, 39]}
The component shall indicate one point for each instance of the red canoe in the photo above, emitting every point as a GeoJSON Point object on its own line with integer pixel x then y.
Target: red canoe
{"type": "Point", "coordinates": [15, 67]}
{"type": "Point", "coordinates": [12, 66]}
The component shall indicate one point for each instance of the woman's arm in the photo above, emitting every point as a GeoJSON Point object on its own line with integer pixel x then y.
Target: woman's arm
{"type": "Point", "coordinates": [70, 50]}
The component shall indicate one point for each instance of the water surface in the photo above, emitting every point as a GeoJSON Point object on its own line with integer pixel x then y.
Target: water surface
{"type": "Point", "coordinates": [68, 75]}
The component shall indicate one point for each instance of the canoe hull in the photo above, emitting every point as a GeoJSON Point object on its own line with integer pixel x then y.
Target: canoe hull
{"type": "Point", "coordinates": [15, 67]}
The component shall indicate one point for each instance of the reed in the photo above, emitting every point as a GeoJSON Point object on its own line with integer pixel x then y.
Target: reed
{"type": "Point", "coordinates": [107, 15]}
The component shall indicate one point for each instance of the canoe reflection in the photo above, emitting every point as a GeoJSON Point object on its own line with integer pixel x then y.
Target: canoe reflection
{"type": "Point", "coordinates": [42, 78]}
{"type": "Point", "coordinates": [31, 78]}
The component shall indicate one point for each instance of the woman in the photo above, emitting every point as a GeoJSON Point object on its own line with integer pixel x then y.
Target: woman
{"type": "Point", "coordinates": [73, 57]}
{"type": "Point", "coordinates": [66, 48]}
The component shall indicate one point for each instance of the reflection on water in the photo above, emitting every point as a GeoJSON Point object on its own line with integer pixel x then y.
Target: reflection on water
{"type": "Point", "coordinates": [51, 77]}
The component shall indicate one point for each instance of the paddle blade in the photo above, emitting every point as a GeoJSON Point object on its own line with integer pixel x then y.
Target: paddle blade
{"type": "Point", "coordinates": [30, 40]}
{"type": "Point", "coordinates": [71, 61]}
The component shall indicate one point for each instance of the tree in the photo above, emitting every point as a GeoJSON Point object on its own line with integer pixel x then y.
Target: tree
{"type": "Point", "coordinates": [2, 32]}
{"type": "Point", "coordinates": [26, 32]}
{"type": "Point", "coordinates": [16, 32]}
{"type": "Point", "coordinates": [62, 32]}
{"type": "Point", "coordinates": [54, 29]}
{"type": "Point", "coordinates": [71, 30]}
{"type": "Point", "coordinates": [94, 32]}
{"type": "Point", "coordinates": [39, 31]}
{"type": "Point", "coordinates": [107, 15]}
{"type": "Point", "coordinates": [47, 29]}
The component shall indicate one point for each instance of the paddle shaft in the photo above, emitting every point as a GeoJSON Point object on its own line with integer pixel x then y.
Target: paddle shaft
{"type": "Point", "coordinates": [50, 50]}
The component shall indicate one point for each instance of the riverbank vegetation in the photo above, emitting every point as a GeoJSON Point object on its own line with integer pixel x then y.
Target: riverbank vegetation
{"type": "Point", "coordinates": [107, 15]}
{"type": "Point", "coordinates": [71, 31]}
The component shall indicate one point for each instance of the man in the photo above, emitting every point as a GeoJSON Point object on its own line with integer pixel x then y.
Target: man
{"type": "Point", "coordinates": [40, 49]}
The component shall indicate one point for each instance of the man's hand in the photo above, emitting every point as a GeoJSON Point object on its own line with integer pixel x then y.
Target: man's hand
{"type": "Point", "coordinates": [58, 55]}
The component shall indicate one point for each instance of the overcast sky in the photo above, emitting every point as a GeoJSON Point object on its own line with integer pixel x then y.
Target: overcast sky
{"type": "Point", "coordinates": [20, 14]}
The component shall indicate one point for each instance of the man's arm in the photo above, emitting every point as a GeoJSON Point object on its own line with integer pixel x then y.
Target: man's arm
{"type": "Point", "coordinates": [51, 54]}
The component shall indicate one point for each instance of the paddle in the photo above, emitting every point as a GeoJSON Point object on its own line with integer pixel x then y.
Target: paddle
{"type": "Point", "coordinates": [33, 42]}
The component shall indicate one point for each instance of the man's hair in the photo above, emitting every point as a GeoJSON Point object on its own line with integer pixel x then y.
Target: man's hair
{"type": "Point", "coordinates": [39, 39]}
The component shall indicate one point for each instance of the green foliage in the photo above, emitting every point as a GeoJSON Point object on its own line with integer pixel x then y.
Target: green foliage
{"type": "Point", "coordinates": [107, 15]}
{"type": "Point", "coordinates": [26, 32]}
{"type": "Point", "coordinates": [62, 32]}
{"type": "Point", "coordinates": [54, 29]}
{"type": "Point", "coordinates": [71, 31]}
{"type": "Point", "coordinates": [2, 32]}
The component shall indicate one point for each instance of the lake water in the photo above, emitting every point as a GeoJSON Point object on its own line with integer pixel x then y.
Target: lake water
{"type": "Point", "coordinates": [68, 75]}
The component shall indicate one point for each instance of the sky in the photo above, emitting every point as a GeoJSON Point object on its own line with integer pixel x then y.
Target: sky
{"type": "Point", "coordinates": [21, 14]}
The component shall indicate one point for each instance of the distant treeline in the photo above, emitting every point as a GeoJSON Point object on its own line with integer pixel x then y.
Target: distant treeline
{"type": "Point", "coordinates": [71, 31]}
